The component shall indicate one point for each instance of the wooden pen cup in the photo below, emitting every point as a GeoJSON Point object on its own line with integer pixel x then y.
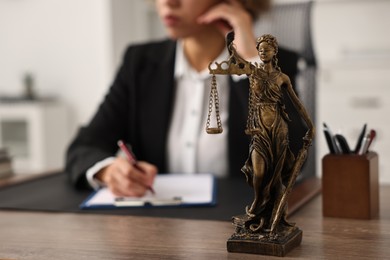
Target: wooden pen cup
{"type": "Point", "coordinates": [350, 186]}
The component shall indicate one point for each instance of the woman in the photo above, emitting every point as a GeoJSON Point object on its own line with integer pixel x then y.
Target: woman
{"type": "Point", "coordinates": [150, 104]}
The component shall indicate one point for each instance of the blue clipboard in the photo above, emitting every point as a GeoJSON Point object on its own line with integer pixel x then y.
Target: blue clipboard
{"type": "Point", "coordinates": [172, 190]}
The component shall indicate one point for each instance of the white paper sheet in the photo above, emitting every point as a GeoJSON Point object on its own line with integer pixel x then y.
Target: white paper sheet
{"type": "Point", "coordinates": [192, 189]}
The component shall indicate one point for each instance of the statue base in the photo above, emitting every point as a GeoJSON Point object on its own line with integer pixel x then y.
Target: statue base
{"type": "Point", "coordinates": [245, 240]}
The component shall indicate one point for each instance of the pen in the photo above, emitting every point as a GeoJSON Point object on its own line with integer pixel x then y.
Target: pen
{"type": "Point", "coordinates": [364, 147]}
{"type": "Point", "coordinates": [360, 139]}
{"type": "Point", "coordinates": [330, 139]}
{"type": "Point", "coordinates": [130, 156]}
{"type": "Point", "coordinates": [343, 144]}
{"type": "Point", "coordinates": [372, 136]}
{"type": "Point", "coordinates": [368, 140]}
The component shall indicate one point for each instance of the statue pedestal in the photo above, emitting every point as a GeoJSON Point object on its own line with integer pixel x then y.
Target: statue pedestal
{"type": "Point", "coordinates": [246, 241]}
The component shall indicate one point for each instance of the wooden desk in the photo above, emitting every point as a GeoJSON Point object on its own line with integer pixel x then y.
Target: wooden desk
{"type": "Point", "coordinates": [88, 236]}
{"type": "Point", "coordinates": [54, 192]}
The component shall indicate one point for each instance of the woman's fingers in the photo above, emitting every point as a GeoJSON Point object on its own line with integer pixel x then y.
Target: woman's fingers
{"type": "Point", "coordinates": [125, 179]}
{"type": "Point", "coordinates": [231, 15]}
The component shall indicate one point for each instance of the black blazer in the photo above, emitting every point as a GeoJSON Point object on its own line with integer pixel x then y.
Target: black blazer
{"type": "Point", "coordinates": [138, 109]}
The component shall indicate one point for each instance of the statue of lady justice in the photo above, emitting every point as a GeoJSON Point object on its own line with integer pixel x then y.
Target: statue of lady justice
{"type": "Point", "coordinates": [271, 168]}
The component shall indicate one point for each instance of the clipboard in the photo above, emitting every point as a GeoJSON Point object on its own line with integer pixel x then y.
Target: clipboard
{"type": "Point", "coordinates": [172, 190]}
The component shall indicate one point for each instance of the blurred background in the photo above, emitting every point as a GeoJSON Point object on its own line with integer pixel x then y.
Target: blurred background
{"type": "Point", "coordinates": [58, 58]}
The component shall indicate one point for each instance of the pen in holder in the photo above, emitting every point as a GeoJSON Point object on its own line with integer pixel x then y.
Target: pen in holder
{"type": "Point", "coordinates": [350, 186]}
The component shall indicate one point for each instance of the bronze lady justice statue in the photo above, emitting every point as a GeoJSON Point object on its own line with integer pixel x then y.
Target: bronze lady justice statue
{"type": "Point", "coordinates": [271, 168]}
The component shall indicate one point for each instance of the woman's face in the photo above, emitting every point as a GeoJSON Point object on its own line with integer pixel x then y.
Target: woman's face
{"type": "Point", "coordinates": [266, 52]}
{"type": "Point", "coordinates": [180, 16]}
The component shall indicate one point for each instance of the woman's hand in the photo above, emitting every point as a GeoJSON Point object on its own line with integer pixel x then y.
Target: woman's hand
{"type": "Point", "coordinates": [125, 179]}
{"type": "Point", "coordinates": [231, 15]}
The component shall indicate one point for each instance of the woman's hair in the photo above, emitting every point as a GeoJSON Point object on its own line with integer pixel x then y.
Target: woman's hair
{"type": "Point", "coordinates": [255, 7]}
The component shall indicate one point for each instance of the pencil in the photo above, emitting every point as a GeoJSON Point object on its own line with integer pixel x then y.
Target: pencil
{"type": "Point", "coordinates": [131, 158]}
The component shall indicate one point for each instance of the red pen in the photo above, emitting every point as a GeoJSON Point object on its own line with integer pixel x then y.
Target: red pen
{"type": "Point", "coordinates": [130, 156]}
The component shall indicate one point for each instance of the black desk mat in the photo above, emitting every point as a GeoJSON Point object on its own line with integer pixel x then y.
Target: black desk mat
{"type": "Point", "coordinates": [54, 193]}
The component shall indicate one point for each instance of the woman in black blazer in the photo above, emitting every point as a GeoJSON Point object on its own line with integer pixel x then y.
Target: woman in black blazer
{"type": "Point", "coordinates": [139, 105]}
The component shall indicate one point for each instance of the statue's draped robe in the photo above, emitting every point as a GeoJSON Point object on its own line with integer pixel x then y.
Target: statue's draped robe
{"type": "Point", "coordinates": [269, 139]}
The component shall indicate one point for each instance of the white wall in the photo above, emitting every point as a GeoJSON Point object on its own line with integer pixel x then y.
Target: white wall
{"type": "Point", "coordinates": [133, 21]}
{"type": "Point", "coordinates": [355, 31]}
{"type": "Point", "coordinates": [65, 44]}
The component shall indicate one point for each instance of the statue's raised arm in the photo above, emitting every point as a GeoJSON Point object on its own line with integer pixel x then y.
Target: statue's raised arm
{"type": "Point", "coordinates": [234, 65]}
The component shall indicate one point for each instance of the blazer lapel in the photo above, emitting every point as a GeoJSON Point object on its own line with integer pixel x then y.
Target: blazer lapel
{"type": "Point", "coordinates": [156, 106]}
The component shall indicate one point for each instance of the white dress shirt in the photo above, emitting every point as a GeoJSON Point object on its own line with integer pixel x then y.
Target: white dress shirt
{"type": "Point", "coordinates": [190, 149]}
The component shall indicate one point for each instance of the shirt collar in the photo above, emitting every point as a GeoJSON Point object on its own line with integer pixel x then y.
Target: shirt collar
{"type": "Point", "coordinates": [183, 68]}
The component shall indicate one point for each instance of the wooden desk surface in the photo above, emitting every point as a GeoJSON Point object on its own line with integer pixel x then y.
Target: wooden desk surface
{"type": "Point", "coordinates": [39, 235]}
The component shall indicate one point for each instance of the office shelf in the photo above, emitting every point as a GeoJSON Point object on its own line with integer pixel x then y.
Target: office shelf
{"type": "Point", "coordinates": [35, 133]}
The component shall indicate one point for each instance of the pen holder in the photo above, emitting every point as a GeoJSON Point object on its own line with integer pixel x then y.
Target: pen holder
{"type": "Point", "coordinates": [350, 186]}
